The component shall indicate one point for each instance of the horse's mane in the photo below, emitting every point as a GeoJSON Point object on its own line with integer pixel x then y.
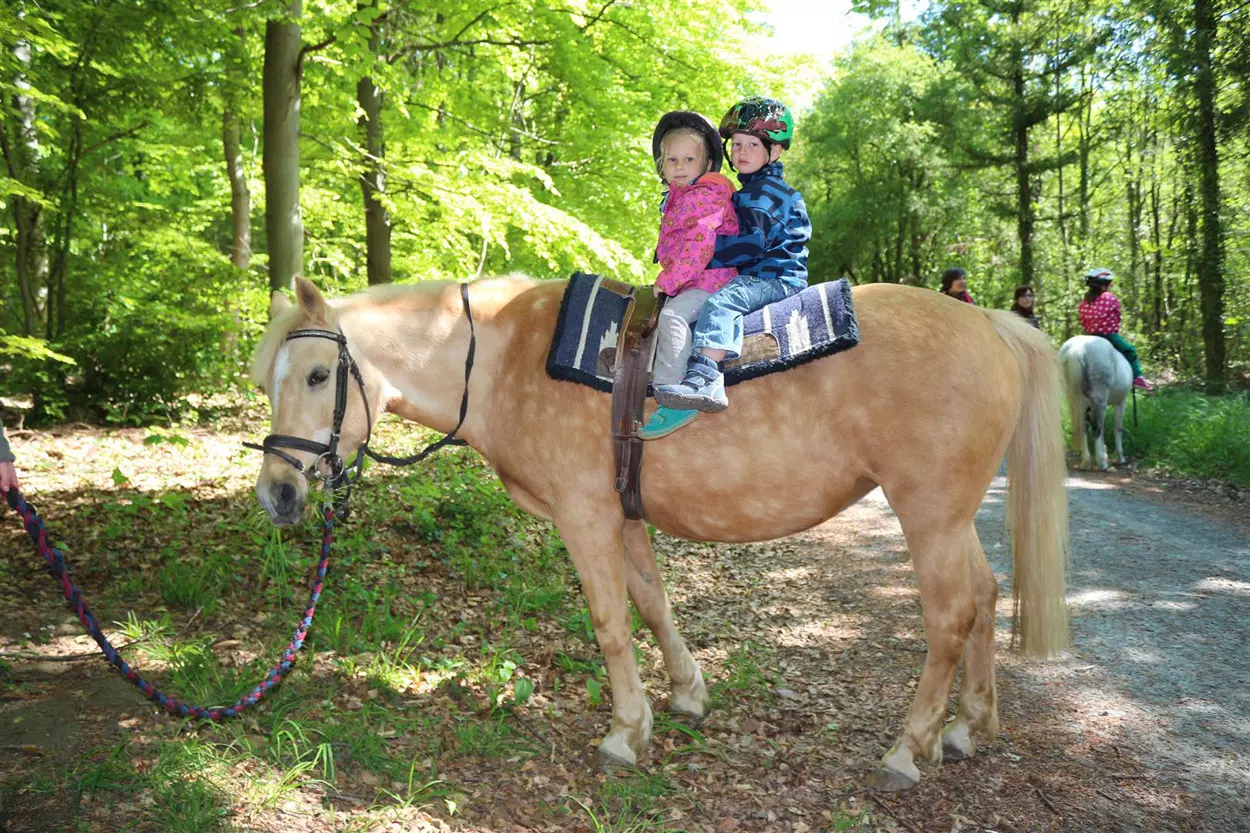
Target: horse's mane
{"type": "Point", "coordinates": [275, 334]}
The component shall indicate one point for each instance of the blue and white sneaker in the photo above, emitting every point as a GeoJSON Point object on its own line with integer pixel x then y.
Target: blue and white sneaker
{"type": "Point", "coordinates": [703, 389]}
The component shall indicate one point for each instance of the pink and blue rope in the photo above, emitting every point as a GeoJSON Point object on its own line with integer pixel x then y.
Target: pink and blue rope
{"type": "Point", "coordinates": [56, 563]}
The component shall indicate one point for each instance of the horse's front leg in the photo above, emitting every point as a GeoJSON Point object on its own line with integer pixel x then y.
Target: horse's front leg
{"type": "Point", "coordinates": [689, 694]}
{"type": "Point", "coordinates": [594, 537]}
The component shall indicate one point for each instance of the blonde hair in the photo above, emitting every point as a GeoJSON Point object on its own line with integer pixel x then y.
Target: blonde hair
{"type": "Point", "coordinates": [678, 132]}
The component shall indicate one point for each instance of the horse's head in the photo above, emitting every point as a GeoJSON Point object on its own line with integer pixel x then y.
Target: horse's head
{"type": "Point", "coordinates": [316, 393]}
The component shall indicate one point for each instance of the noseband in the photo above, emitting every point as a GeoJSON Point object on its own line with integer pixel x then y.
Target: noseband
{"type": "Point", "coordinates": [337, 478]}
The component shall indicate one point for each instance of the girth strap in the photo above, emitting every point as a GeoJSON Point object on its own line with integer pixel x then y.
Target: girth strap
{"type": "Point", "coordinates": [629, 394]}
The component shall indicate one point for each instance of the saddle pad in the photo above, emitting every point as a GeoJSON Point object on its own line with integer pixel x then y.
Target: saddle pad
{"type": "Point", "coordinates": [816, 322]}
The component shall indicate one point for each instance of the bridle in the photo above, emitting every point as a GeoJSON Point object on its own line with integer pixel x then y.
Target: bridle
{"type": "Point", "coordinates": [338, 479]}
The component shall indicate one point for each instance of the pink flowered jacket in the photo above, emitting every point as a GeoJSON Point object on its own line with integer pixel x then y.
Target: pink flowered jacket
{"type": "Point", "coordinates": [1102, 315]}
{"type": "Point", "coordinates": [693, 216]}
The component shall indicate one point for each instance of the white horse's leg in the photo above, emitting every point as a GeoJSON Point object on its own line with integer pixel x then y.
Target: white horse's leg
{"type": "Point", "coordinates": [1100, 428]}
{"type": "Point", "coordinates": [978, 703]}
{"type": "Point", "coordinates": [595, 541]}
{"type": "Point", "coordinates": [1119, 432]}
{"type": "Point", "coordinates": [689, 694]}
{"type": "Point", "coordinates": [1085, 422]}
{"type": "Point", "coordinates": [940, 556]}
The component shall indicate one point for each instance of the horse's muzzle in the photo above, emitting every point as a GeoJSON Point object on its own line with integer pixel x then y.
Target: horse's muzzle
{"type": "Point", "coordinates": [283, 500]}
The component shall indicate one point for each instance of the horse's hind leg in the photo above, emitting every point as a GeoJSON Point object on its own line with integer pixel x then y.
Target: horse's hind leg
{"type": "Point", "coordinates": [1087, 424]}
{"type": "Point", "coordinates": [978, 702]}
{"type": "Point", "coordinates": [594, 537]}
{"type": "Point", "coordinates": [940, 555]}
{"type": "Point", "coordinates": [689, 694]}
{"type": "Point", "coordinates": [1098, 418]}
{"type": "Point", "coordinates": [1119, 433]}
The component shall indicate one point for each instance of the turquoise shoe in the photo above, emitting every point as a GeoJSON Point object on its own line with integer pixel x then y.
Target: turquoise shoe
{"type": "Point", "coordinates": [665, 421]}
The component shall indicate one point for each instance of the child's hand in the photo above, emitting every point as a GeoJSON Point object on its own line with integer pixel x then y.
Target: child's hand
{"type": "Point", "coordinates": [8, 478]}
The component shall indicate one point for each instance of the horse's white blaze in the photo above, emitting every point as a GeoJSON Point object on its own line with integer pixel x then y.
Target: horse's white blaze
{"type": "Point", "coordinates": [281, 367]}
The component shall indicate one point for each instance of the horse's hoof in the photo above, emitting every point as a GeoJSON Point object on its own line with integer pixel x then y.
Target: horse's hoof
{"type": "Point", "coordinates": [898, 770]}
{"type": "Point", "coordinates": [957, 743]}
{"type": "Point", "coordinates": [616, 754]}
{"type": "Point", "coordinates": [692, 703]}
{"type": "Point", "coordinates": [691, 718]}
{"type": "Point", "coordinates": [889, 779]}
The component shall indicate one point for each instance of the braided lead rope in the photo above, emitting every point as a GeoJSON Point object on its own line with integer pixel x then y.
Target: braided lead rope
{"type": "Point", "coordinates": [56, 563]}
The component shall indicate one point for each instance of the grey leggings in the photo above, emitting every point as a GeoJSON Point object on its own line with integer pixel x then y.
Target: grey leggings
{"type": "Point", "coordinates": [673, 340]}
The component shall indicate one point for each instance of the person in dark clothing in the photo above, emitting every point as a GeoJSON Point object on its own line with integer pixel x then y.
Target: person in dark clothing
{"type": "Point", "coordinates": [1022, 304]}
{"type": "Point", "coordinates": [955, 284]}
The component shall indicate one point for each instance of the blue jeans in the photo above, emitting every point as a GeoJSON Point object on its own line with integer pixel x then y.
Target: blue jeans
{"type": "Point", "coordinates": [720, 320]}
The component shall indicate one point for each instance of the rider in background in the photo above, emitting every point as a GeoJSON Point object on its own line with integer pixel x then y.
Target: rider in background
{"type": "Point", "coordinates": [955, 284]}
{"type": "Point", "coordinates": [1100, 316]}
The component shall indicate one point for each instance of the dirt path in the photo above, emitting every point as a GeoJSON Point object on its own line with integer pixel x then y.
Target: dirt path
{"type": "Point", "coordinates": [1160, 603]}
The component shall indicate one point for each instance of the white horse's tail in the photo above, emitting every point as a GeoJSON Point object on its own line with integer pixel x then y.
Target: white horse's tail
{"type": "Point", "coordinates": [1037, 503]}
{"type": "Point", "coordinates": [1078, 387]}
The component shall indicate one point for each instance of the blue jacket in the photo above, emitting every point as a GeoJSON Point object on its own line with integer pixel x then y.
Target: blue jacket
{"type": "Point", "coordinates": [775, 230]}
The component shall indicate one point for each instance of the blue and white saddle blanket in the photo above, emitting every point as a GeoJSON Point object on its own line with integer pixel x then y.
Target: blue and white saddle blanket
{"type": "Point", "coordinates": [816, 322]}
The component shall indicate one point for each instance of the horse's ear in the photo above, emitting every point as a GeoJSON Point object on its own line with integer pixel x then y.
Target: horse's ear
{"type": "Point", "coordinates": [310, 298]}
{"type": "Point", "coordinates": [278, 303]}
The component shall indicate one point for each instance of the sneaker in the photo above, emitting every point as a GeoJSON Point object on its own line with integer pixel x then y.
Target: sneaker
{"type": "Point", "coordinates": [1140, 382]}
{"type": "Point", "coordinates": [703, 389]}
{"type": "Point", "coordinates": [665, 421]}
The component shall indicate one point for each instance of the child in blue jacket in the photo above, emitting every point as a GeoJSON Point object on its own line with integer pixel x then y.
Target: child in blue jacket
{"type": "Point", "coordinates": [770, 251]}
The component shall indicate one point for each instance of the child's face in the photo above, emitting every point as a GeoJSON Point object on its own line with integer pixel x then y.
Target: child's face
{"type": "Point", "coordinates": [685, 160]}
{"type": "Point", "coordinates": [749, 154]}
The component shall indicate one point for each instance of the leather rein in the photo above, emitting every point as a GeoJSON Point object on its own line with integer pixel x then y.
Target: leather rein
{"type": "Point", "coordinates": [338, 477]}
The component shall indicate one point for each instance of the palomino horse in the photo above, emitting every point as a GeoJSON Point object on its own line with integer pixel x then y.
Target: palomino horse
{"type": "Point", "coordinates": [1096, 376]}
{"type": "Point", "coordinates": [925, 407]}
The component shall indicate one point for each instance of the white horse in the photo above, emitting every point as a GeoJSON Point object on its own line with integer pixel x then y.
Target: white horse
{"type": "Point", "coordinates": [1095, 376]}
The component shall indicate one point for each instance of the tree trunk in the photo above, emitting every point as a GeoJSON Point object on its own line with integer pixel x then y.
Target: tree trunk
{"type": "Point", "coordinates": [1024, 193]}
{"type": "Point", "coordinates": [283, 225]}
{"type": "Point", "coordinates": [1084, 141]}
{"type": "Point", "coordinates": [1211, 258]}
{"type": "Point", "coordinates": [240, 199]}
{"type": "Point", "coordinates": [1156, 236]}
{"type": "Point", "coordinates": [373, 177]}
{"type": "Point", "coordinates": [21, 155]}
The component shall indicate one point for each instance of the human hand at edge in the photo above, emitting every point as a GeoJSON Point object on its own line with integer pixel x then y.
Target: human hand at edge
{"type": "Point", "coordinates": [8, 477]}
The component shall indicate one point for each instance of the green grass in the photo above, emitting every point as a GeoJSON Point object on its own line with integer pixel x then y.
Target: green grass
{"type": "Point", "coordinates": [368, 697]}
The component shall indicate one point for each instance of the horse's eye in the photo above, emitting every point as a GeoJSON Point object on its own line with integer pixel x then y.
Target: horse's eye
{"type": "Point", "coordinates": [318, 377]}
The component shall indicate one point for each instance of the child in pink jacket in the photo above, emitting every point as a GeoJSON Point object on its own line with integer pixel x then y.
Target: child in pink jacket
{"type": "Point", "coordinates": [698, 206]}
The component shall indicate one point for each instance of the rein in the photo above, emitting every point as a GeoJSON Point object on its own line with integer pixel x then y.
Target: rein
{"type": "Point", "coordinates": [338, 480]}
{"type": "Point", "coordinates": [56, 566]}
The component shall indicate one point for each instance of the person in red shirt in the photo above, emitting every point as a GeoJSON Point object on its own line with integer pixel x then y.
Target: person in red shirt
{"type": "Point", "coordinates": [1100, 316]}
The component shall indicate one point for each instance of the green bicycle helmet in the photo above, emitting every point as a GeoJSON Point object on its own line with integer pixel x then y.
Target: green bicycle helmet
{"type": "Point", "coordinates": [765, 118]}
{"type": "Point", "coordinates": [695, 121]}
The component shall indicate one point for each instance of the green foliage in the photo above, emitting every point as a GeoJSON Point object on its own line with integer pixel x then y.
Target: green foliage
{"type": "Point", "coordinates": [1194, 434]}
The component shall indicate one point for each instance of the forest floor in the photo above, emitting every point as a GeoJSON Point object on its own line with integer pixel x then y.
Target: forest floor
{"type": "Point", "coordinates": [451, 682]}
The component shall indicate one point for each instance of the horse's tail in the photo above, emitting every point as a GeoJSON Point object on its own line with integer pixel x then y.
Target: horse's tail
{"type": "Point", "coordinates": [1037, 503]}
